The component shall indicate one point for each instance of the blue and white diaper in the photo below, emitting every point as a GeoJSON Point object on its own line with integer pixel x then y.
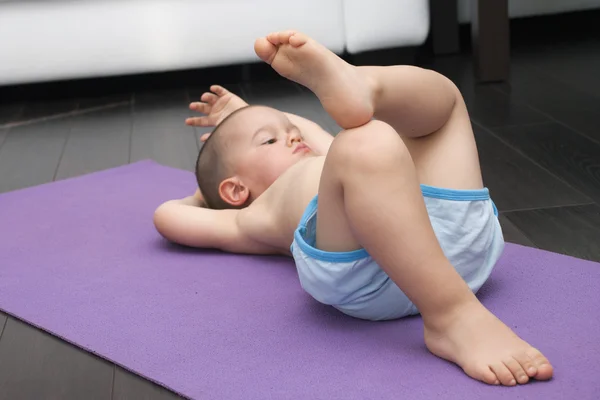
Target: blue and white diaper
{"type": "Point", "coordinates": [467, 228]}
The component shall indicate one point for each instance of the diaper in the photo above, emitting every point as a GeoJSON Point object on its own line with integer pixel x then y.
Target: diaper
{"type": "Point", "coordinates": [467, 228]}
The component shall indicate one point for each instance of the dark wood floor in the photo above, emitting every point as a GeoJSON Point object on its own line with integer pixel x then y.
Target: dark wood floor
{"type": "Point", "coordinates": [538, 137]}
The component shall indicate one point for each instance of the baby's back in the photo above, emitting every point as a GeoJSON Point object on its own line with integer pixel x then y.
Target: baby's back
{"type": "Point", "coordinates": [274, 216]}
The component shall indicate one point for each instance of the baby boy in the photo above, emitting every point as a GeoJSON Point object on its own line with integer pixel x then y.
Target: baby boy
{"type": "Point", "coordinates": [388, 219]}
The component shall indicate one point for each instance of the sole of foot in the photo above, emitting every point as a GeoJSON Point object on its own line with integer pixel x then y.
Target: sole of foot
{"type": "Point", "coordinates": [344, 91]}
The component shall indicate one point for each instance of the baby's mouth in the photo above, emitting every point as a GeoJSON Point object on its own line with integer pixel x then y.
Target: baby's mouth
{"type": "Point", "coordinates": [301, 147]}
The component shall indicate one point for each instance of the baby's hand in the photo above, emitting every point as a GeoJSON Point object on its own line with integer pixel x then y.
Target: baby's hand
{"type": "Point", "coordinates": [217, 105]}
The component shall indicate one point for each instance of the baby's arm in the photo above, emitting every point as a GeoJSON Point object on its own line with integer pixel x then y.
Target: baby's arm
{"type": "Point", "coordinates": [188, 223]}
{"type": "Point", "coordinates": [220, 102]}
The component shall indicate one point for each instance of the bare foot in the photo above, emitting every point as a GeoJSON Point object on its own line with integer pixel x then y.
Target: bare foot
{"type": "Point", "coordinates": [217, 105]}
{"type": "Point", "coordinates": [486, 349]}
{"type": "Point", "coordinates": [344, 92]}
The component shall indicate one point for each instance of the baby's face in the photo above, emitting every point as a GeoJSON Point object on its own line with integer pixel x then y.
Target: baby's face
{"type": "Point", "coordinates": [264, 144]}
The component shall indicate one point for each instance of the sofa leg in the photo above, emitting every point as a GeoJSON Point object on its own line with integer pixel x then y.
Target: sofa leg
{"type": "Point", "coordinates": [490, 35]}
{"type": "Point", "coordinates": [444, 26]}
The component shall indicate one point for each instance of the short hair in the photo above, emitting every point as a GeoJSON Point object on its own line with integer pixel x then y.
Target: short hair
{"type": "Point", "coordinates": [212, 167]}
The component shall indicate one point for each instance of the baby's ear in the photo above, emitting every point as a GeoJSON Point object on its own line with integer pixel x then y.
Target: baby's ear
{"type": "Point", "coordinates": [233, 191]}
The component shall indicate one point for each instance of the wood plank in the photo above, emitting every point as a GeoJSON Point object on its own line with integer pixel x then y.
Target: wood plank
{"type": "Point", "coordinates": [558, 100]}
{"type": "Point", "coordinates": [515, 182]}
{"type": "Point", "coordinates": [572, 157]}
{"type": "Point", "coordinates": [36, 365]}
{"type": "Point", "coordinates": [98, 141]}
{"type": "Point", "coordinates": [289, 97]}
{"type": "Point", "coordinates": [486, 104]}
{"type": "Point", "coordinates": [574, 64]}
{"type": "Point", "coordinates": [103, 101]}
{"type": "Point", "coordinates": [128, 386]}
{"type": "Point", "coordinates": [574, 231]}
{"type": "Point", "coordinates": [512, 234]}
{"type": "Point", "coordinates": [159, 130]}
{"type": "Point", "coordinates": [47, 108]}
{"type": "Point", "coordinates": [10, 112]}
{"type": "Point", "coordinates": [3, 318]}
{"type": "Point", "coordinates": [32, 153]}
{"type": "Point", "coordinates": [492, 108]}
{"type": "Point", "coordinates": [280, 94]}
{"type": "Point", "coordinates": [3, 134]}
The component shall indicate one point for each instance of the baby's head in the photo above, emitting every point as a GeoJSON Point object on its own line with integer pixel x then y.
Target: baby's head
{"type": "Point", "coordinates": [245, 154]}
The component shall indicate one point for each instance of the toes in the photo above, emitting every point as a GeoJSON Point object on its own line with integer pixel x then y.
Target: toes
{"type": "Point", "coordinates": [527, 364]}
{"type": "Point", "coordinates": [503, 374]}
{"type": "Point", "coordinates": [486, 375]}
{"type": "Point", "coordinates": [284, 37]}
{"type": "Point", "coordinates": [517, 370]}
{"type": "Point", "coordinates": [265, 49]}
{"type": "Point", "coordinates": [273, 37]}
{"type": "Point", "coordinates": [219, 90]}
{"type": "Point", "coordinates": [543, 368]}
{"type": "Point", "coordinates": [298, 39]}
{"type": "Point", "coordinates": [545, 372]}
{"type": "Point", "coordinates": [535, 364]}
{"type": "Point", "coordinates": [209, 98]}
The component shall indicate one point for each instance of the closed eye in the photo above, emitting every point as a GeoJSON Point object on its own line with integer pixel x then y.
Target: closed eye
{"type": "Point", "coordinates": [270, 141]}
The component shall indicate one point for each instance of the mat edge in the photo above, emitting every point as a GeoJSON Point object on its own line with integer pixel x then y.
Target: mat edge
{"type": "Point", "coordinates": [91, 352]}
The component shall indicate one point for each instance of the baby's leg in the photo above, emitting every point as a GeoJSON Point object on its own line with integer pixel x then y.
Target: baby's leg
{"type": "Point", "coordinates": [369, 196]}
{"type": "Point", "coordinates": [423, 106]}
{"type": "Point", "coordinates": [428, 111]}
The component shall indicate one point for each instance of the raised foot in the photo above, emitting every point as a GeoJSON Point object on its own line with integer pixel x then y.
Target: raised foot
{"type": "Point", "coordinates": [486, 349]}
{"type": "Point", "coordinates": [344, 91]}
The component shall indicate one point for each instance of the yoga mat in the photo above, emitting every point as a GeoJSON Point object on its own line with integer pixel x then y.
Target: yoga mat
{"type": "Point", "coordinates": [80, 258]}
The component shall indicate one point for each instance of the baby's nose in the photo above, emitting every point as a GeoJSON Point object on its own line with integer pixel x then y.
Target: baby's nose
{"type": "Point", "coordinates": [294, 138]}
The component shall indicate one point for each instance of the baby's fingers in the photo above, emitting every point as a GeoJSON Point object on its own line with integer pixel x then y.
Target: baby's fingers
{"type": "Point", "coordinates": [198, 121]}
{"type": "Point", "coordinates": [200, 107]}
{"type": "Point", "coordinates": [209, 98]}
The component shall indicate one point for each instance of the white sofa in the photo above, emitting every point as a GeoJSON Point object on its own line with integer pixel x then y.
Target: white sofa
{"type": "Point", "coordinates": [65, 39]}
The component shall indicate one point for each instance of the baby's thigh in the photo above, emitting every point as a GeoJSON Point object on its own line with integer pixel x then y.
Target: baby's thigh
{"type": "Point", "coordinates": [448, 158]}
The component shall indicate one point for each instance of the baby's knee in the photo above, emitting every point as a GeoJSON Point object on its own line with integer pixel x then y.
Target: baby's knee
{"type": "Point", "coordinates": [374, 144]}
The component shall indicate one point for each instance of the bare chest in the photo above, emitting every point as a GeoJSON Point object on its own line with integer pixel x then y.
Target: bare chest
{"type": "Point", "coordinates": [274, 216]}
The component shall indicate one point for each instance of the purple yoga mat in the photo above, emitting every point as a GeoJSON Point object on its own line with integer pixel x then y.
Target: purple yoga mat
{"type": "Point", "coordinates": [80, 258]}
